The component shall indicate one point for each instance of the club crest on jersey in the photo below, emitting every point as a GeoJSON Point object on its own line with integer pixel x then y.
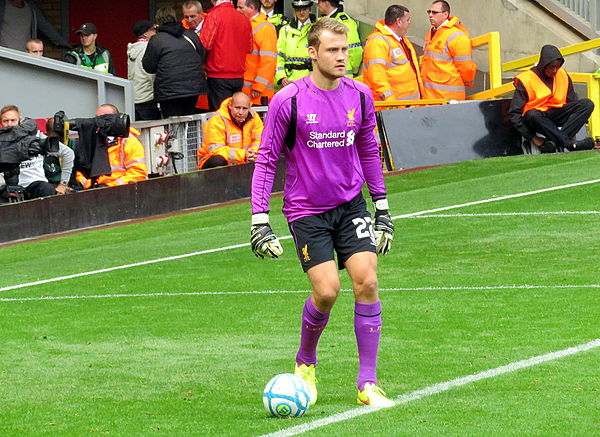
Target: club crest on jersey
{"type": "Point", "coordinates": [350, 115]}
{"type": "Point", "coordinates": [305, 253]}
{"type": "Point", "coordinates": [311, 119]}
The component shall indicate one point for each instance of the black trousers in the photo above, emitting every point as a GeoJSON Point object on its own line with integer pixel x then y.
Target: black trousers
{"type": "Point", "coordinates": [179, 106]}
{"type": "Point", "coordinates": [220, 89]}
{"type": "Point", "coordinates": [570, 118]}
{"type": "Point", "coordinates": [147, 111]}
{"type": "Point", "coordinates": [39, 189]}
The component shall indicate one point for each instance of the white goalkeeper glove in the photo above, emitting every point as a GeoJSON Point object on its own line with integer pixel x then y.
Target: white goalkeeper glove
{"type": "Point", "coordinates": [262, 238]}
{"type": "Point", "coordinates": [384, 228]}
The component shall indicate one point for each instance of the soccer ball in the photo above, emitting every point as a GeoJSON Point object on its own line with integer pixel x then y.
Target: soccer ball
{"type": "Point", "coordinates": [286, 395]}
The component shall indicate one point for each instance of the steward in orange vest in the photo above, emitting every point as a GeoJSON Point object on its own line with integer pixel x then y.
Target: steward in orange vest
{"type": "Point", "coordinates": [127, 163]}
{"type": "Point", "coordinates": [391, 68]}
{"type": "Point", "coordinates": [259, 78]}
{"type": "Point", "coordinates": [545, 100]}
{"type": "Point", "coordinates": [232, 135]}
{"type": "Point", "coordinates": [447, 67]}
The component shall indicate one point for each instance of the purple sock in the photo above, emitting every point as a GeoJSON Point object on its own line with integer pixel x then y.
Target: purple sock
{"type": "Point", "coordinates": [367, 327]}
{"type": "Point", "coordinates": [313, 323]}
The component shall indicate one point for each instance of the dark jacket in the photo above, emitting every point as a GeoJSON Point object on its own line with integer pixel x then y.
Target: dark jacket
{"type": "Point", "coordinates": [548, 54]}
{"type": "Point", "coordinates": [177, 62]}
{"type": "Point", "coordinates": [100, 57]}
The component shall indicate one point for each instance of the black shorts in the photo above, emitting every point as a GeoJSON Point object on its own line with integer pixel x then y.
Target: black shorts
{"type": "Point", "coordinates": [346, 229]}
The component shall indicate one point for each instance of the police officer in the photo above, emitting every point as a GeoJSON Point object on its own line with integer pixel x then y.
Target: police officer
{"type": "Point", "coordinates": [293, 61]}
{"type": "Point", "coordinates": [333, 9]}
{"type": "Point", "coordinates": [276, 19]}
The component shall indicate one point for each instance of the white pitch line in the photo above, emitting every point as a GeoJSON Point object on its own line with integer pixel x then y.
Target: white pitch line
{"type": "Point", "coordinates": [496, 199]}
{"type": "Point", "coordinates": [126, 266]}
{"type": "Point", "coordinates": [501, 214]}
{"type": "Point", "coordinates": [261, 292]}
{"type": "Point", "coordinates": [236, 246]}
{"type": "Point", "coordinates": [438, 388]}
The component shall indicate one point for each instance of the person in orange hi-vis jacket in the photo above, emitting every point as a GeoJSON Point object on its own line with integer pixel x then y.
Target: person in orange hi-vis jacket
{"type": "Point", "coordinates": [232, 135]}
{"type": "Point", "coordinates": [391, 67]}
{"type": "Point", "coordinates": [259, 77]}
{"type": "Point", "coordinates": [126, 156]}
{"type": "Point", "coordinates": [448, 66]}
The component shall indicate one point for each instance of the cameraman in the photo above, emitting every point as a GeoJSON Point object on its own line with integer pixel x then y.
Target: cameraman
{"type": "Point", "coordinates": [31, 172]}
{"type": "Point", "coordinates": [126, 155]}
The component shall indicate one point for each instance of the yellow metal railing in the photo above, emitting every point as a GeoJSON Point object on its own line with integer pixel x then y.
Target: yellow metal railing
{"type": "Point", "coordinates": [492, 40]}
{"type": "Point", "coordinates": [593, 93]}
{"type": "Point", "coordinates": [530, 61]}
{"type": "Point", "coordinates": [404, 103]}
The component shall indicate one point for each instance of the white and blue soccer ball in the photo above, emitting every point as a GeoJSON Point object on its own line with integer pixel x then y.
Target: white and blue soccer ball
{"type": "Point", "coordinates": [286, 395]}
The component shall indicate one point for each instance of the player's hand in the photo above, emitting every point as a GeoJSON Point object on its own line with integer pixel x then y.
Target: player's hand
{"type": "Point", "coordinates": [262, 238]}
{"type": "Point", "coordinates": [384, 227]}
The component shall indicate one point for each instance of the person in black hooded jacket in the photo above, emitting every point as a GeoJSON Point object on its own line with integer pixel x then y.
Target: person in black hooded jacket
{"type": "Point", "coordinates": [545, 100]}
{"type": "Point", "coordinates": [176, 56]}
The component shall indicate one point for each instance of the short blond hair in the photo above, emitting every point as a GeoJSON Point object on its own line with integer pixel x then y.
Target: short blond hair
{"type": "Point", "coordinates": [7, 108]}
{"type": "Point", "coordinates": [334, 26]}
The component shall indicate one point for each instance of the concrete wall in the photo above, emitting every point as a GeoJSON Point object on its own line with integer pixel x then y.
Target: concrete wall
{"type": "Point", "coordinates": [41, 86]}
{"type": "Point", "coordinates": [524, 27]}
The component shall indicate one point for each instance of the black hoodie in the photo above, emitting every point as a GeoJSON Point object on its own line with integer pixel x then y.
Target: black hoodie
{"type": "Point", "coordinates": [548, 54]}
{"type": "Point", "coordinates": [176, 56]}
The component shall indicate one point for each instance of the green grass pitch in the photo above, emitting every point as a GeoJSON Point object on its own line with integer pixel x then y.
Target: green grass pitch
{"type": "Point", "coordinates": [184, 347]}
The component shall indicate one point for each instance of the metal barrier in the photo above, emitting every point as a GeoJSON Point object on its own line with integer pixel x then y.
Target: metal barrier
{"type": "Point", "coordinates": [171, 144]}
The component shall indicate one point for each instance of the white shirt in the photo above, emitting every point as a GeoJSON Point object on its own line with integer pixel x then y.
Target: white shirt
{"type": "Point", "coordinates": [32, 170]}
{"type": "Point", "coordinates": [301, 25]}
{"type": "Point", "coordinates": [437, 28]}
{"type": "Point", "coordinates": [268, 14]}
{"type": "Point", "coordinates": [398, 38]}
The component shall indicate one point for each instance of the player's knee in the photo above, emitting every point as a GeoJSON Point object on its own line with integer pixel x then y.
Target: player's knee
{"type": "Point", "coordinates": [324, 300]}
{"type": "Point", "coordinates": [366, 287]}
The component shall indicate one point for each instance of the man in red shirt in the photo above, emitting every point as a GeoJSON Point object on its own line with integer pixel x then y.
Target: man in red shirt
{"type": "Point", "coordinates": [227, 37]}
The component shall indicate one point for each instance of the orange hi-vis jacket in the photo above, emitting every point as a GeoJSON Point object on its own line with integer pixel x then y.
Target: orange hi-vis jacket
{"type": "Point", "coordinates": [540, 96]}
{"type": "Point", "coordinates": [127, 163]}
{"type": "Point", "coordinates": [222, 137]}
{"type": "Point", "coordinates": [448, 65]}
{"type": "Point", "coordinates": [262, 61]}
{"type": "Point", "coordinates": [387, 70]}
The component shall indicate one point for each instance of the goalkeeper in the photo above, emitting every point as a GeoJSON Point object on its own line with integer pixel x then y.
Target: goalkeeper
{"type": "Point", "coordinates": [324, 124]}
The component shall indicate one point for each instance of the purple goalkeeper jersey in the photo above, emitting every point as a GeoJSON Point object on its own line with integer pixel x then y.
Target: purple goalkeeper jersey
{"type": "Point", "coordinates": [332, 154]}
